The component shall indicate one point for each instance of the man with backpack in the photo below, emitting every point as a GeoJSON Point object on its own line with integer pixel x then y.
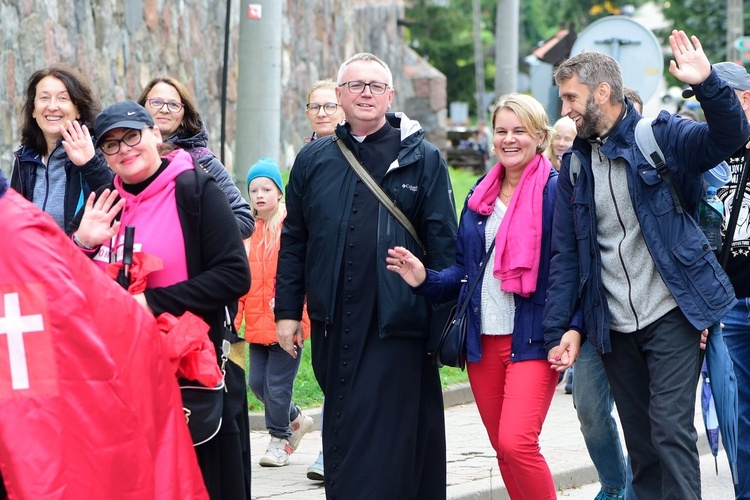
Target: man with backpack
{"type": "Point", "coordinates": [636, 261]}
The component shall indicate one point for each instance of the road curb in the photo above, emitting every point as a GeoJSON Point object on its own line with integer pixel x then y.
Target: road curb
{"type": "Point", "coordinates": [456, 394]}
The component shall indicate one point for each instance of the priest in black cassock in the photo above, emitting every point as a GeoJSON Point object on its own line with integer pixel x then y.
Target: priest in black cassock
{"type": "Point", "coordinates": [383, 425]}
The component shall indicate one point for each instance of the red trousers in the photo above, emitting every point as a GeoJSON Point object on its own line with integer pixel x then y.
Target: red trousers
{"type": "Point", "coordinates": [513, 400]}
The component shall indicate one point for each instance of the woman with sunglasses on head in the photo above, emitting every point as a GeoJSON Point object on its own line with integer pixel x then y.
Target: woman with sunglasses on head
{"type": "Point", "coordinates": [56, 166]}
{"type": "Point", "coordinates": [176, 115]}
{"type": "Point", "coordinates": [182, 217]}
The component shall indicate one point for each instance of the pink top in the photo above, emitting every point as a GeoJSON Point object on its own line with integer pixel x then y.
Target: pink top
{"type": "Point", "coordinates": [158, 231]}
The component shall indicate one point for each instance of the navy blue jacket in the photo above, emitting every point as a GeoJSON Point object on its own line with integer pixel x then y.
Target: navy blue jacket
{"type": "Point", "coordinates": [680, 252]}
{"type": "Point", "coordinates": [528, 334]}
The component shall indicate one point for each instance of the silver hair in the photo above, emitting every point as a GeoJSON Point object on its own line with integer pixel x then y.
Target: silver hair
{"type": "Point", "coordinates": [593, 68]}
{"type": "Point", "coordinates": [364, 56]}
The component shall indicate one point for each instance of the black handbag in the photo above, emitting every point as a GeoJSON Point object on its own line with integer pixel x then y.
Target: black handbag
{"type": "Point", "coordinates": [204, 406]}
{"type": "Point", "coordinates": [451, 348]}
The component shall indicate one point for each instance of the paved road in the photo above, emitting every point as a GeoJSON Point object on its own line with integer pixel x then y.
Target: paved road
{"type": "Point", "coordinates": [472, 468]}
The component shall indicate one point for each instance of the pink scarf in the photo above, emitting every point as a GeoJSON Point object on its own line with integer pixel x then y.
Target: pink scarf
{"type": "Point", "coordinates": [516, 257]}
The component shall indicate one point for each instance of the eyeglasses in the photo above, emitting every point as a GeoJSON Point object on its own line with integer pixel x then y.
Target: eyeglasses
{"type": "Point", "coordinates": [359, 87]}
{"type": "Point", "coordinates": [172, 106]}
{"type": "Point", "coordinates": [112, 146]}
{"type": "Point", "coordinates": [329, 108]}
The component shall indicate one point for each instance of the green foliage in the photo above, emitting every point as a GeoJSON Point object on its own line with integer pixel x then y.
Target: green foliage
{"type": "Point", "coordinates": [442, 32]}
{"type": "Point", "coordinates": [444, 35]}
{"type": "Point", "coordinates": [706, 20]}
{"type": "Point", "coordinates": [462, 180]}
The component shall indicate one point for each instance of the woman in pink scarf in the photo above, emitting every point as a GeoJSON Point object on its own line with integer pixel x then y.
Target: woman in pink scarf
{"type": "Point", "coordinates": [512, 206]}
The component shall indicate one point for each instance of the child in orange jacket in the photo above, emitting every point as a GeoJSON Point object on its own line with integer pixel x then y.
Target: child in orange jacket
{"type": "Point", "coordinates": [272, 370]}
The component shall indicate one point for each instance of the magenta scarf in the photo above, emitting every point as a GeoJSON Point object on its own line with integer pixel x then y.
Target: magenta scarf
{"type": "Point", "coordinates": [516, 257]}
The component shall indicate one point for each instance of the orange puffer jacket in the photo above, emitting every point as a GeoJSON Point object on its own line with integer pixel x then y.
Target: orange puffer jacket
{"type": "Point", "coordinates": [255, 307]}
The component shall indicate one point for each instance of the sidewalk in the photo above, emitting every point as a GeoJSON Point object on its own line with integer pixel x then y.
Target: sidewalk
{"type": "Point", "coordinates": [472, 468]}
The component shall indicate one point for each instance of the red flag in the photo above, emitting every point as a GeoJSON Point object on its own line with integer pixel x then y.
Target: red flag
{"type": "Point", "coordinates": [89, 407]}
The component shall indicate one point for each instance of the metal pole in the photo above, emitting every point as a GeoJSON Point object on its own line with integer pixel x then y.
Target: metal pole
{"type": "Point", "coordinates": [224, 72]}
{"type": "Point", "coordinates": [734, 28]}
{"type": "Point", "coordinates": [479, 62]}
{"type": "Point", "coordinates": [506, 47]}
{"type": "Point", "coordinates": [258, 86]}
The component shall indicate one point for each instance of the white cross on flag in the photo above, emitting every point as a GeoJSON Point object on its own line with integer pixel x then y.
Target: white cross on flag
{"type": "Point", "coordinates": [27, 363]}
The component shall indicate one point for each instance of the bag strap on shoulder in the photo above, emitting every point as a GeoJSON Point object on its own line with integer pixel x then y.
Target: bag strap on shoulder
{"type": "Point", "coordinates": [646, 142]}
{"type": "Point", "coordinates": [375, 188]}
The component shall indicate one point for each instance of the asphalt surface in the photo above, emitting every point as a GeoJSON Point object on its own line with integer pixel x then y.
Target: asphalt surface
{"type": "Point", "coordinates": [473, 473]}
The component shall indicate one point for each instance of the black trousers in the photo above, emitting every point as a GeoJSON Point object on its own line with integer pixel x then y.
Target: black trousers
{"type": "Point", "coordinates": [653, 373]}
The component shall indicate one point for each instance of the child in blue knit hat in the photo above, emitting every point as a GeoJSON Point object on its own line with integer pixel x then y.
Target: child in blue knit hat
{"type": "Point", "coordinates": [272, 370]}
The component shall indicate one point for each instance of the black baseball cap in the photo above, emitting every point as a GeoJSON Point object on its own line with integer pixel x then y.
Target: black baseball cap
{"type": "Point", "coordinates": [124, 114]}
{"type": "Point", "coordinates": [734, 74]}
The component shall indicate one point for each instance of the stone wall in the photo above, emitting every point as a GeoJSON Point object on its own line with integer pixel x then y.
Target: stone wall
{"type": "Point", "coordinates": [119, 45]}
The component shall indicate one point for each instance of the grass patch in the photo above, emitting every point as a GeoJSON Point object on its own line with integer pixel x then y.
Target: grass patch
{"type": "Point", "coordinates": [307, 393]}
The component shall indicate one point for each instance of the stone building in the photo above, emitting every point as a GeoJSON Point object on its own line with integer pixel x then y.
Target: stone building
{"type": "Point", "coordinates": [119, 45]}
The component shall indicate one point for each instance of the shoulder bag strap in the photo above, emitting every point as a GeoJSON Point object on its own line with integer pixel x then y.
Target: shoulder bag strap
{"type": "Point", "coordinates": [225, 344]}
{"type": "Point", "coordinates": [646, 142]}
{"type": "Point", "coordinates": [375, 188]}
{"type": "Point", "coordinates": [476, 281]}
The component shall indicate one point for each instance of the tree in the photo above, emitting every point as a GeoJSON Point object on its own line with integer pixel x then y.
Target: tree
{"type": "Point", "coordinates": [706, 20]}
{"type": "Point", "coordinates": [442, 32]}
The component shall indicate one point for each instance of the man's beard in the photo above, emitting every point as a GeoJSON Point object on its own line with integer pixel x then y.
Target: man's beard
{"type": "Point", "coordinates": [588, 126]}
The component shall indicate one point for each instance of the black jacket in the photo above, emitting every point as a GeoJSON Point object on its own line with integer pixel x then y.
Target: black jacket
{"type": "Point", "coordinates": [319, 197]}
{"type": "Point", "coordinates": [79, 181]}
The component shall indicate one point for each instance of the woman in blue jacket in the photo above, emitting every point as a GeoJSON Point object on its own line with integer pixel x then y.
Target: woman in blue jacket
{"type": "Point", "coordinates": [507, 362]}
{"type": "Point", "coordinates": [56, 166]}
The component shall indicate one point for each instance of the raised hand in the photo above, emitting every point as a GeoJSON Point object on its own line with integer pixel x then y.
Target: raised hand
{"type": "Point", "coordinates": [690, 64]}
{"type": "Point", "coordinates": [402, 261]}
{"type": "Point", "coordinates": [77, 142]}
{"type": "Point", "coordinates": [97, 224]}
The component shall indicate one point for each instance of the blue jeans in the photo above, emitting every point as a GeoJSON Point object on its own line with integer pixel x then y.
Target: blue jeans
{"type": "Point", "coordinates": [737, 337]}
{"type": "Point", "coordinates": [272, 374]}
{"type": "Point", "coordinates": [593, 401]}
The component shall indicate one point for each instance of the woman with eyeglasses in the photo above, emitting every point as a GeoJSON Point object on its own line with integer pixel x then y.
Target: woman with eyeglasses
{"type": "Point", "coordinates": [182, 217]}
{"type": "Point", "coordinates": [57, 166]}
{"type": "Point", "coordinates": [322, 109]}
{"type": "Point", "coordinates": [324, 113]}
{"type": "Point", "coordinates": [176, 116]}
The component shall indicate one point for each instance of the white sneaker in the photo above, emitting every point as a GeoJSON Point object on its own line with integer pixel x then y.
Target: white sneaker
{"type": "Point", "coordinates": [299, 426]}
{"type": "Point", "coordinates": [277, 453]}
